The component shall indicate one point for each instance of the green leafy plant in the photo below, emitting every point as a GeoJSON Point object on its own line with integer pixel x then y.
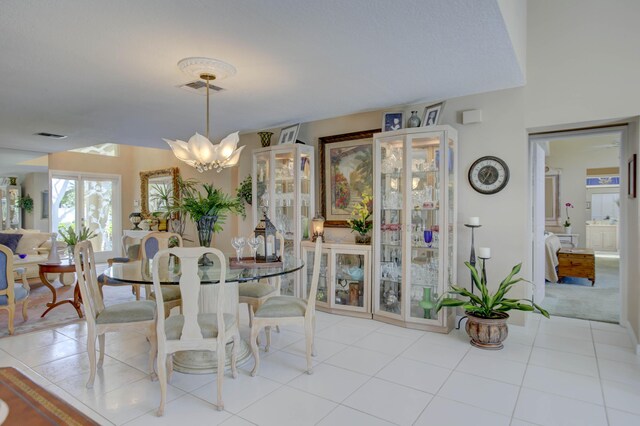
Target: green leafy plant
{"type": "Point", "coordinates": [71, 237]}
{"type": "Point", "coordinates": [360, 215]}
{"type": "Point", "coordinates": [26, 203]}
{"type": "Point", "coordinates": [244, 190]}
{"type": "Point", "coordinates": [165, 198]}
{"type": "Point", "coordinates": [486, 305]}
{"type": "Point", "coordinates": [214, 202]}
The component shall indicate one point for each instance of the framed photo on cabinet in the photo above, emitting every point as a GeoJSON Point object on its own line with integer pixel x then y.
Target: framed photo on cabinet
{"type": "Point", "coordinates": [288, 135]}
{"type": "Point", "coordinates": [432, 115]}
{"type": "Point", "coordinates": [392, 121]}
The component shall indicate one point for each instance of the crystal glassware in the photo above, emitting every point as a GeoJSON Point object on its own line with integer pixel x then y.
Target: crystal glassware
{"type": "Point", "coordinates": [239, 243]}
{"type": "Point", "coordinates": [254, 243]}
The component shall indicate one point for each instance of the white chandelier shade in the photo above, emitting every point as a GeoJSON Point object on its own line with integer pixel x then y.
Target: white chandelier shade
{"type": "Point", "coordinates": [199, 152]}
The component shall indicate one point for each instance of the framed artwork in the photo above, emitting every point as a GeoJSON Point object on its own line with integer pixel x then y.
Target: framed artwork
{"type": "Point", "coordinates": [631, 177]}
{"type": "Point", "coordinates": [288, 135]}
{"type": "Point", "coordinates": [45, 204]}
{"type": "Point", "coordinates": [432, 114]}
{"type": "Point", "coordinates": [346, 172]}
{"type": "Point", "coordinates": [392, 121]}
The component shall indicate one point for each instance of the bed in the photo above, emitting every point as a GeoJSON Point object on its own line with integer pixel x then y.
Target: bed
{"type": "Point", "coordinates": [551, 246]}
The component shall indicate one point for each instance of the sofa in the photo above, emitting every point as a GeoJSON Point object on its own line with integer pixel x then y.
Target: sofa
{"type": "Point", "coordinates": [35, 244]}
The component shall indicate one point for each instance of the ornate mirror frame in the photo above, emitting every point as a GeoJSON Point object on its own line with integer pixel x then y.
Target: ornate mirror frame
{"type": "Point", "coordinates": [145, 176]}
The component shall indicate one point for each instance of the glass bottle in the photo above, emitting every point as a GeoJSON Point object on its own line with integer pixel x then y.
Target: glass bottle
{"type": "Point", "coordinates": [414, 120]}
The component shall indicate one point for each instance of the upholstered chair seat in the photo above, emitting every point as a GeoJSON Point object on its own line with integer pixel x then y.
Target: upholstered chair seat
{"type": "Point", "coordinates": [282, 306]}
{"type": "Point", "coordinates": [10, 293]}
{"type": "Point", "coordinates": [144, 310]}
{"type": "Point", "coordinates": [169, 294]}
{"type": "Point", "coordinates": [208, 325]}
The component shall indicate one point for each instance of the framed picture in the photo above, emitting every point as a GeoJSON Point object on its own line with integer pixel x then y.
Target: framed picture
{"type": "Point", "coordinates": [346, 172]}
{"type": "Point", "coordinates": [631, 177]}
{"type": "Point", "coordinates": [45, 204]}
{"type": "Point", "coordinates": [432, 114]}
{"type": "Point", "coordinates": [288, 135]}
{"type": "Point", "coordinates": [392, 121]}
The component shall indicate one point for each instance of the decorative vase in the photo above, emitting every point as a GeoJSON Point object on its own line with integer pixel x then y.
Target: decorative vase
{"type": "Point", "coordinates": [414, 120]}
{"type": "Point", "coordinates": [54, 257]}
{"type": "Point", "coordinates": [135, 218]}
{"type": "Point", "coordinates": [265, 138]}
{"type": "Point", "coordinates": [70, 250]}
{"type": "Point", "coordinates": [567, 229]}
{"type": "Point", "coordinates": [363, 239]}
{"type": "Point", "coordinates": [426, 303]}
{"type": "Point", "coordinates": [205, 231]}
{"type": "Point", "coordinates": [487, 333]}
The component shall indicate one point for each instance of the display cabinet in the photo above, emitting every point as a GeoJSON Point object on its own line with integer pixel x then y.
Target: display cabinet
{"type": "Point", "coordinates": [345, 278]}
{"type": "Point", "coordinates": [414, 225]}
{"type": "Point", "coordinates": [283, 183]}
{"type": "Point", "coordinates": [11, 214]}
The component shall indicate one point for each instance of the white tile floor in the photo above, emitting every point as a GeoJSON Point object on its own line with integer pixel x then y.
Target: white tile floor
{"type": "Point", "coordinates": [553, 372]}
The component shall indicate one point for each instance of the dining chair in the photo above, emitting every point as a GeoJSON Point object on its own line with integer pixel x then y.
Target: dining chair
{"type": "Point", "coordinates": [194, 329]}
{"type": "Point", "coordinates": [282, 310]}
{"type": "Point", "coordinates": [255, 293]}
{"type": "Point", "coordinates": [128, 316]}
{"type": "Point", "coordinates": [11, 293]}
{"type": "Point", "coordinates": [131, 251]}
{"type": "Point", "coordinates": [149, 246]}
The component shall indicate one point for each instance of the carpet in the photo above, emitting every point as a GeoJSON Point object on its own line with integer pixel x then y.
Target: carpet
{"type": "Point", "coordinates": [62, 315]}
{"type": "Point", "coordinates": [30, 404]}
{"type": "Point", "coordinates": [576, 298]}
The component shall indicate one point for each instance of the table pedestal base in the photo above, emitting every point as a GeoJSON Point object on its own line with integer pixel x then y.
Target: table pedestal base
{"type": "Point", "coordinates": [205, 362]}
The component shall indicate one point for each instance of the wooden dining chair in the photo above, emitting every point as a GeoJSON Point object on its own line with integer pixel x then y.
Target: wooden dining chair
{"type": "Point", "coordinates": [131, 252]}
{"type": "Point", "coordinates": [129, 316]}
{"type": "Point", "coordinates": [282, 310]}
{"type": "Point", "coordinates": [194, 329]}
{"type": "Point", "coordinates": [11, 293]}
{"type": "Point", "coordinates": [255, 293]}
{"type": "Point", "coordinates": [149, 246]}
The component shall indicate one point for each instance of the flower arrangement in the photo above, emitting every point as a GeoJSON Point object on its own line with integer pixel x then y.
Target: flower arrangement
{"type": "Point", "coordinates": [360, 222]}
{"type": "Point", "coordinates": [567, 222]}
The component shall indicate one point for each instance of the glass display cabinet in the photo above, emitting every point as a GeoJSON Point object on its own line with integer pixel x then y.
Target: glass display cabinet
{"type": "Point", "coordinates": [414, 225]}
{"type": "Point", "coordinates": [11, 214]}
{"type": "Point", "coordinates": [283, 183]}
{"type": "Point", "coordinates": [345, 278]}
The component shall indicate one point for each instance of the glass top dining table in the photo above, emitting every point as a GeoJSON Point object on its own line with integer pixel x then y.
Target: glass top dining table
{"type": "Point", "coordinates": [139, 272]}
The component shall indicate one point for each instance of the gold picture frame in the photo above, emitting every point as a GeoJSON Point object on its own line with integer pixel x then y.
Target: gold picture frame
{"type": "Point", "coordinates": [146, 176]}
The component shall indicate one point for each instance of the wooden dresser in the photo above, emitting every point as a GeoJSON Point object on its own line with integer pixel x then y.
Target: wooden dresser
{"type": "Point", "coordinates": [577, 262]}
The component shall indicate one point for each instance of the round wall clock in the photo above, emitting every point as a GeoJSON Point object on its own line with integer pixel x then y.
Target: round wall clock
{"type": "Point", "coordinates": [488, 175]}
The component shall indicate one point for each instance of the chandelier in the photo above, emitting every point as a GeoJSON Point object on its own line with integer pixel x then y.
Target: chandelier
{"type": "Point", "coordinates": [199, 152]}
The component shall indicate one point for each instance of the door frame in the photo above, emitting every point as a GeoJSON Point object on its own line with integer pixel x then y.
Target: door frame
{"type": "Point", "coordinates": [116, 205]}
{"type": "Point", "coordinates": [539, 139]}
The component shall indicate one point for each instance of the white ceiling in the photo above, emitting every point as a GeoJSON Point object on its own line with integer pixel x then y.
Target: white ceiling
{"type": "Point", "coordinates": [105, 71]}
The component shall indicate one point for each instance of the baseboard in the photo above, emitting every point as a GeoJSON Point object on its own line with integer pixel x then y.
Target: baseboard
{"type": "Point", "coordinates": [632, 335]}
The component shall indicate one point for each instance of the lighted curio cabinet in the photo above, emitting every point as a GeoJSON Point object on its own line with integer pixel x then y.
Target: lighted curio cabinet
{"type": "Point", "coordinates": [282, 181]}
{"type": "Point", "coordinates": [11, 214]}
{"type": "Point", "coordinates": [414, 239]}
{"type": "Point", "coordinates": [345, 278]}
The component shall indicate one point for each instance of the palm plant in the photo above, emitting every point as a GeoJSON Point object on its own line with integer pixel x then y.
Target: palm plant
{"type": "Point", "coordinates": [165, 198]}
{"type": "Point", "coordinates": [486, 305]}
{"type": "Point", "coordinates": [71, 237]}
{"type": "Point", "coordinates": [214, 202]}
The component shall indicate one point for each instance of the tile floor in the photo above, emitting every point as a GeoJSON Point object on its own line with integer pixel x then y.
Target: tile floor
{"type": "Point", "coordinates": [553, 372]}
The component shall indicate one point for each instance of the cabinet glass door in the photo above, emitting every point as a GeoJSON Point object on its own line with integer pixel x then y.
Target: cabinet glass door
{"type": "Point", "coordinates": [262, 183]}
{"type": "Point", "coordinates": [424, 187]}
{"type": "Point", "coordinates": [390, 244]}
{"type": "Point", "coordinates": [321, 296]}
{"type": "Point", "coordinates": [349, 279]}
{"type": "Point", "coordinates": [305, 195]}
{"type": "Point", "coordinates": [5, 211]}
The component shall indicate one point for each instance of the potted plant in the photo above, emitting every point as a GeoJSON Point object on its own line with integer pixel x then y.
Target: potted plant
{"type": "Point", "coordinates": [487, 313]}
{"type": "Point", "coordinates": [243, 191]}
{"type": "Point", "coordinates": [208, 210]}
{"type": "Point", "coordinates": [71, 237]}
{"type": "Point", "coordinates": [26, 203]}
{"type": "Point", "coordinates": [165, 198]}
{"type": "Point", "coordinates": [360, 222]}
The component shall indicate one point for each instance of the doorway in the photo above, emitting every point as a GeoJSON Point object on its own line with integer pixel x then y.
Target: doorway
{"type": "Point", "coordinates": [88, 200]}
{"type": "Point", "coordinates": [576, 222]}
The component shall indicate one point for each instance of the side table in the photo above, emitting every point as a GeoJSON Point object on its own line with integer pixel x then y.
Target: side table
{"type": "Point", "coordinates": [60, 268]}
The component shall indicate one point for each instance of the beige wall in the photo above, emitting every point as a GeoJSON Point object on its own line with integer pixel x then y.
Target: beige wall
{"type": "Point", "coordinates": [33, 184]}
{"type": "Point", "coordinates": [573, 157]}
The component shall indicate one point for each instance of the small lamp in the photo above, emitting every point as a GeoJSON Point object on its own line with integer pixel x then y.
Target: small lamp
{"type": "Point", "coordinates": [317, 225]}
{"type": "Point", "coordinates": [267, 231]}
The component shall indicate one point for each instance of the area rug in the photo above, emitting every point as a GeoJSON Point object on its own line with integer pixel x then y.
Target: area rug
{"type": "Point", "coordinates": [30, 404]}
{"type": "Point", "coordinates": [62, 315]}
{"type": "Point", "coordinates": [576, 298]}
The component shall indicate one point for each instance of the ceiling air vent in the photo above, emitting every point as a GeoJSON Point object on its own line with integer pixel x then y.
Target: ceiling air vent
{"type": "Point", "coordinates": [51, 135]}
{"type": "Point", "coordinates": [200, 87]}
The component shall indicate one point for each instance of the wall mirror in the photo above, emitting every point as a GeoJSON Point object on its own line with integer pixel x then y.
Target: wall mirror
{"type": "Point", "coordinates": [552, 197]}
{"type": "Point", "coordinates": [158, 188]}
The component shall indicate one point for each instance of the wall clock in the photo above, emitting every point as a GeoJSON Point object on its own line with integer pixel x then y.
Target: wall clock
{"type": "Point", "coordinates": [488, 175]}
